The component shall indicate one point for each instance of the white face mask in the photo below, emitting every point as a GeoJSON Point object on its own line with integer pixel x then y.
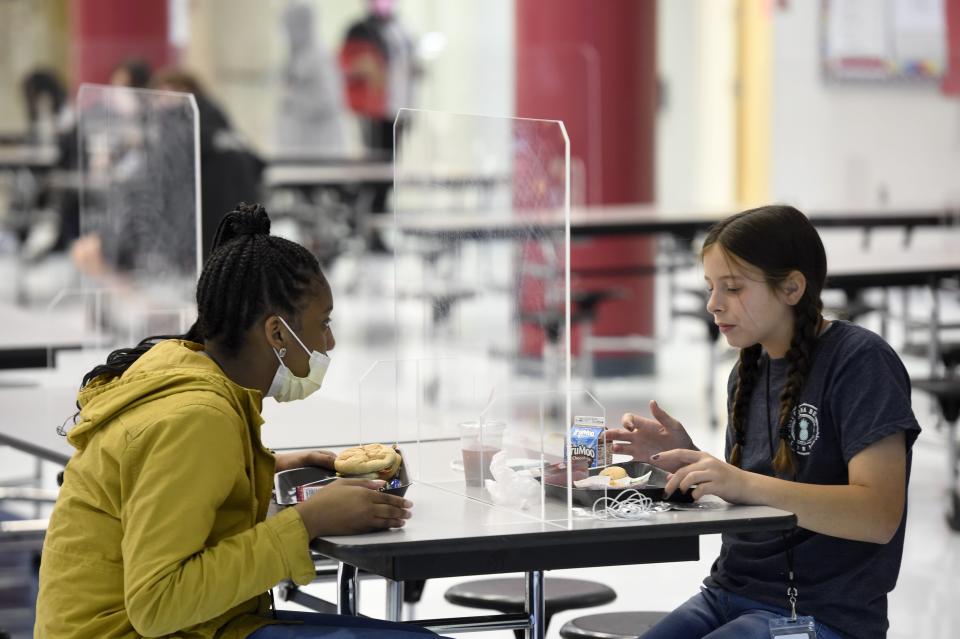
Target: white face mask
{"type": "Point", "coordinates": [286, 386]}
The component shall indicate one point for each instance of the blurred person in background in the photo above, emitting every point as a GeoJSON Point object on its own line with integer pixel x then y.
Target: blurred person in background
{"type": "Point", "coordinates": [99, 119]}
{"type": "Point", "coordinates": [378, 63]}
{"type": "Point", "coordinates": [379, 70]}
{"type": "Point", "coordinates": [229, 169]}
{"type": "Point", "coordinates": [49, 114]}
{"type": "Point", "coordinates": [151, 179]}
{"type": "Point", "coordinates": [309, 118]}
{"type": "Point", "coordinates": [55, 220]}
{"type": "Point", "coordinates": [132, 72]}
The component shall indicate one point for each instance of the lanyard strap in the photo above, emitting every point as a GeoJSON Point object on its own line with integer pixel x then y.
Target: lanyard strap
{"type": "Point", "coordinates": [791, 580]}
{"type": "Point", "coordinates": [791, 583]}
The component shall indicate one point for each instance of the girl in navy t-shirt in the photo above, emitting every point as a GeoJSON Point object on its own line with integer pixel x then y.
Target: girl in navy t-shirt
{"type": "Point", "coordinates": [820, 425]}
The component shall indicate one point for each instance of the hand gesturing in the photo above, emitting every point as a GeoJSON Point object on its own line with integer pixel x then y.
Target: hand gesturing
{"type": "Point", "coordinates": [642, 437]}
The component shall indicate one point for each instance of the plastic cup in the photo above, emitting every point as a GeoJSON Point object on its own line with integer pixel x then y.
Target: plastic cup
{"type": "Point", "coordinates": [478, 444]}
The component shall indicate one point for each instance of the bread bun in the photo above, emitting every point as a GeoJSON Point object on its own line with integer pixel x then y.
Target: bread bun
{"type": "Point", "coordinates": [371, 461]}
{"type": "Point", "coordinates": [614, 472]}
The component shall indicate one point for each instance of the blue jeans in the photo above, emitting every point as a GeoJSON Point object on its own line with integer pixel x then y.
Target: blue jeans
{"type": "Point", "coordinates": [315, 624]}
{"type": "Point", "coordinates": [714, 613]}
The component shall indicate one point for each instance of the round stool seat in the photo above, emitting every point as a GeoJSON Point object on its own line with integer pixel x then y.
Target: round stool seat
{"type": "Point", "coordinates": [611, 625]}
{"type": "Point", "coordinates": [507, 594]}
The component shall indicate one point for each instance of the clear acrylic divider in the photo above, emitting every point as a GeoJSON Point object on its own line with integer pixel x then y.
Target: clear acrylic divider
{"type": "Point", "coordinates": [85, 325]}
{"type": "Point", "coordinates": [523, 449]}
{"type": "Point", "coordinates": [579, 65]}
{"type": "Point", "coordinates": [138, 251]}
{"type": "Point", "coordinates": [139, 194]}
{"type": "Point", "coordinates": [92, 322]}
{"type": "Point", "coordinates": [378, 410]}
{"type": "Point", "coordinates": [416, 404]}
{"type": "Point", "coordinates": [482, 296]}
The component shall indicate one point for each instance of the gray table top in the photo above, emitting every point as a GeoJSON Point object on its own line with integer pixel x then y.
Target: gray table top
{"type": "Point", "coordinates": [883, 268]}
{"type": "Point", "coordinates": [42, 329]}
{"type": "Point", "coordinates": [453, 532]}
{"type": "Point", "coordinates": [28, 156]}
{"type": "Point", "coordinates": [320, 175]}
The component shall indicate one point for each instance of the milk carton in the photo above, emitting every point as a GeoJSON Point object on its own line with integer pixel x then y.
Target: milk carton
{"type": "Point", "coordinates": [587, 441]}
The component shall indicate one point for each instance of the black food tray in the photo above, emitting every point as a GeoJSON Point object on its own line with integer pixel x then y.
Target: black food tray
{"type": "Point", "coordinates": [286, 482]}
{"type": "Point", "coordinates": [653, 489]}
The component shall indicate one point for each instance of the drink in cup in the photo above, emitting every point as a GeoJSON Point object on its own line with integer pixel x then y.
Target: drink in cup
{"type": "Point", "coordinates": [479, 443]}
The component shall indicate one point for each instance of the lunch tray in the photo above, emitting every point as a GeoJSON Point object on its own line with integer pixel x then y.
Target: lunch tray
{"type": "Point", "coordinates": [286, 482]}
{"type": "Point", "coordinates": [653, 488]}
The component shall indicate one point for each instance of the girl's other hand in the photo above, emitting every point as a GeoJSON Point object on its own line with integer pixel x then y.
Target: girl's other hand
{"type": "Point", "coordinates": [705, 475]}
{"type": "Point", "coordinates": [642, 438]}
{"type": "Point", "coordinates": [352, 506]}
{"type": "Point", "coordinates": [303, 458]}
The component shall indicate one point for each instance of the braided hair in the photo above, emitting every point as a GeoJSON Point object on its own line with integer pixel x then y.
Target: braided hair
{"type": "Point", "coordinates": [777, 240]}
{"type": "Point", "coordinates": [748, 370]}
{"type": "Point", "coordinates": [249, 274]}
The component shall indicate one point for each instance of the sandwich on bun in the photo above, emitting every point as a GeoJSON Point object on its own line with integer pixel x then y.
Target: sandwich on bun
{"type": "Point", "coordinates": [614, 472]}
{"type": "Point", "coordinates": [371, 461]}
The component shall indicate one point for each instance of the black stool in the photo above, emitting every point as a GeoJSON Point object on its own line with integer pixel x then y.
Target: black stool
{"type": "Point", "coordinates": [611, 625]}
{"type": "Point", "coordinates": [507, 595]}
{"type": "Point", "coordinates": [947, 392]}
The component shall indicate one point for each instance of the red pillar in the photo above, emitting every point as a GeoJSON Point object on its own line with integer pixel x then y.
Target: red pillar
{"type": "Point", "coordinates": [106, 32]}
{"type": "Point", "coordinates": [593, 65]}
{"type": "Point", "coordinates": [951, 79]}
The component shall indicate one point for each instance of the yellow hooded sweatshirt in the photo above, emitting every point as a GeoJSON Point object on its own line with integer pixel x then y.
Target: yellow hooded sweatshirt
{"type": "Point", "coordinates": [160, 528]}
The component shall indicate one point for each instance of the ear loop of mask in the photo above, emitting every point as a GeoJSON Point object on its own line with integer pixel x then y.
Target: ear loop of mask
{"type": "Point", "coordinates": [296, 337]}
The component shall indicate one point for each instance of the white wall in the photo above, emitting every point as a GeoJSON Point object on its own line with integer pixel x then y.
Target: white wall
{"type": "Point", "coordinates": [475, 71]}
{"type": "Point", "coordinates": [846, 145]}
{"type": "Point", "coordinates": [676, 67]}
{"type": "Point", "coordinates": [716, 105]}
{"type": "Point", "coordinates": [696, 125]}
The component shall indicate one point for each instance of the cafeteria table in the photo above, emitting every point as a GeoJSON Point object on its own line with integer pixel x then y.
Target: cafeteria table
{"type": "Point", "coordinates": [457, 531]}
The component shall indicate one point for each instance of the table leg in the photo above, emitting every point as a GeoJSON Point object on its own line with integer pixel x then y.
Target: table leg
{"type": "Point", "coordinates": [394, 600]}
{"type": "Point", "coordinates": [885, 313]}
{"type": "Point", "coordinates": [953, 516]}
{"type": "Point", "coordinates": [934, 353]}
{"type": "Point", "coordinates": [534, 604]}
{"type": "Point", "coordinates": [348, 593]}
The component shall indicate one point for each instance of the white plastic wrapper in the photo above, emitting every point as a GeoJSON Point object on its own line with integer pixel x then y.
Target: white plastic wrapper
{"type": "Point", "coordinates": [509, 487]}
{"type": "Point", "coordinates": [602, 481]}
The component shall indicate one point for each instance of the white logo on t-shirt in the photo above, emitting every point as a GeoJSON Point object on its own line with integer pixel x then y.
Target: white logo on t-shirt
{"type": "Point", "coordinates": [804, 429]}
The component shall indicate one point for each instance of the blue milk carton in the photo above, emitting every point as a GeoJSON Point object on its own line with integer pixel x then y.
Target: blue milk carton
{"type": "Point", "coordinates": [587, 441]}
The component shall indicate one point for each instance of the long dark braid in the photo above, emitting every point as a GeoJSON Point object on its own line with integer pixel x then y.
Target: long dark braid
{"type": "Point", "coordinates": [748, 371]}
{"type": "Point", "coordinates": [799, 357]}
{"type": "Point", "coordinates": [777, 240]}
{"type": "Point", "coordinates": [249, 274]}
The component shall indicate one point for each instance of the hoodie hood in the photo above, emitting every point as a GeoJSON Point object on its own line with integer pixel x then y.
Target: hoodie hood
{"type": "Point", "coordinates": [172, 366]}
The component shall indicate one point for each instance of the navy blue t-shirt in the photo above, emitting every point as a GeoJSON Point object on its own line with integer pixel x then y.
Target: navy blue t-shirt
{"type": "Point", "coordinates": [856, 393]}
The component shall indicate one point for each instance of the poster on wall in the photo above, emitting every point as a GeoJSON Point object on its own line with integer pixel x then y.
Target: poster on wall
{"type": "Point", "coordinates": [883, 39]}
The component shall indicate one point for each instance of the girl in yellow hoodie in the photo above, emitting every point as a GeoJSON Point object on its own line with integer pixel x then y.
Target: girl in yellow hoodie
{"type": "Point", "coordinates": [160, 529]}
